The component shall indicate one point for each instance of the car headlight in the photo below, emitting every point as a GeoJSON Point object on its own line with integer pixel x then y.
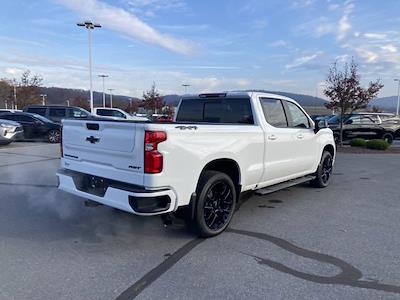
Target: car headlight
{"type": "Point", "coordinates": [7, 126]}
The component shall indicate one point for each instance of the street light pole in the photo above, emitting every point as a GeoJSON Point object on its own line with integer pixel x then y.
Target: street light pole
{"type": "Point", "coordinates": [89, 25]}
{"type": "Point", "coordinates": [398, 96]}
{"type": "Point", "coordinates": [43, 98]}
{"type": "Point", "coordinates": [111, 105]}
{"type": "Point", "coordinates": [104, 92]}
{"type": "Point", "coordinates": [14, 104]}
{"type": "Point", "coordinates": [185, 85]}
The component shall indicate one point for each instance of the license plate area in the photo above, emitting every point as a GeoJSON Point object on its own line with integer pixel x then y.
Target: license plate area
{"type": "Point", "coordinates": [91, 184]}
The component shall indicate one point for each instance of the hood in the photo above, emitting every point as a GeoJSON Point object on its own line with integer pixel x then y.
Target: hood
{"type": "Point", "coordinates": [8, 122]}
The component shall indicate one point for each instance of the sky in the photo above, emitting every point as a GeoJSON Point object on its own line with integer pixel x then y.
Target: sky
{"type": "Point", "coordinates": [211, 45]}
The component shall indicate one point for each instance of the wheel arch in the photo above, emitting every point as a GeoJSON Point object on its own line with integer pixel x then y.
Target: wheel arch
{"type": "Point", "coordinates": [330, 148]}
{"type": "Point", "coordinates": [225, 165]}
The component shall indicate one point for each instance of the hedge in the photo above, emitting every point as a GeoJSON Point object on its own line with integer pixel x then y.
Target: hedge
{"type": "Point", "coordinates": [357, 142]}
{"type": "Point", "coordinates": [377, 144]}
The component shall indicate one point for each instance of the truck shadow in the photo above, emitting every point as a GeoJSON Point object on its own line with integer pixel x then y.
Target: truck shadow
{"type": "Point", "coordinates": [349, 275]}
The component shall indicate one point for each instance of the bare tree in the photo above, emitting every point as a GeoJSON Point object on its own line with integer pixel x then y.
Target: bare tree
{"type": "Point", "coordinates": [376, 109]}
{"type": "Point", "coordinates": [168, 110]}
{"type": "Point", "coordinates": [29, 89]}
{"type": "Point", "coordinates": [152, 99]}
{"type": "Point", "coordinates": [6, 91]}
{"type": "Point", "coordinates": [345, 92]}
{"type": "Point", "coordinates": [81, 101]}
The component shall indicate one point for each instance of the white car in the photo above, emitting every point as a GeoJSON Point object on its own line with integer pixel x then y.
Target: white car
{"type": "Point", "coordinates": [219, 146]}
{"type": "Point", "coordinates": [9, 131]}
{"type": "Point", "coordinates": [116, 114]}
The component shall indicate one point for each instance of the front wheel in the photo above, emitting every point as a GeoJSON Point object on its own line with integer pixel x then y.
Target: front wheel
{"type": "Point", "coordinates": [324, 171]}
{"type": "Point", "coordinates": [388, 137]}
{"type": "Point", "coordinates": [54, 136]}
{"type": "Point", "coordinates": [215, 205]}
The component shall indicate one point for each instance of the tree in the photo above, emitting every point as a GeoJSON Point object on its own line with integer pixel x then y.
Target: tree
{"type": "Point", "coordinates": [345, 92]}
{"type": "Point", "coordinates": [152, 99]}
{"type": "Point", "coordinates": [81, 101]}
{"type": "Point", "coordinates": [6, 91]}
{"type": "Point", "coordinates": [376, 109]}
{"type": "Point", "coordinates": [168, 110]}
{"type": "Point", "coordinates": [28, 89]}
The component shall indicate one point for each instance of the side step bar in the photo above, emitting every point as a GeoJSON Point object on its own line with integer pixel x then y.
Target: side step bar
{"type": "Point", "coordinates": [284, 185]}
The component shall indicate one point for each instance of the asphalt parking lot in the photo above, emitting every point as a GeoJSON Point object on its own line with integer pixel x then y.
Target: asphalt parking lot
{"type": "Point", "coordinates": [341, 242]}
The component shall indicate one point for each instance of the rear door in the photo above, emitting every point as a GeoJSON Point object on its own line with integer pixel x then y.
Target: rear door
{"type": "Point", "coordinates": [105, 148]}
{"type": "Point", "coordinates": [279, 151]}
{"type": "Point", "coordinates": [304, 144]}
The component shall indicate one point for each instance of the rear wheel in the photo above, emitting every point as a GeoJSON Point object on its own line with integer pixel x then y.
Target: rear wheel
{"type": "Point", "coordinates": [54, 136]}
{"type": "Point", "coordinates": [215, 205]}
{"type": "Point", "coordinates": [388, 137]}
{"type": "Point", "coordinates": [324, 171]}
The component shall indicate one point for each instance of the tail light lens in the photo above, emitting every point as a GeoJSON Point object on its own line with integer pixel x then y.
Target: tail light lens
{"type": "Point", "coordinates": [153, 160]}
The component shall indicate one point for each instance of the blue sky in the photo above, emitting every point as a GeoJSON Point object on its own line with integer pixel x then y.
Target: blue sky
{"type": "Point", "coordinates": [211, 45]}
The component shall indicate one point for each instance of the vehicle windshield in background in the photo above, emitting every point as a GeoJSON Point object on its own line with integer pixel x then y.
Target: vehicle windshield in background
{"type": "Point", "coordinates": [41, 118]}
{"type": "Point", "coordinates": [216, 110]}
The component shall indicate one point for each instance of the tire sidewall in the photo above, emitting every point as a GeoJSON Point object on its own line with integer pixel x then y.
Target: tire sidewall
{"type": "Point", "coordinates": [201, 226]}
{"type": "Point", "coordinates": [318, 182]}
{"type": "Point", "coordinates": [388, 137]}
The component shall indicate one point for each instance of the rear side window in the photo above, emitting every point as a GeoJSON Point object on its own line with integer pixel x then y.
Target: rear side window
{"type": "Point", "coordinates": [57, 112]}
{"type": "Point", "coordinates": [212, 110]}
{"type": "Point", "coordinates": [110, 113]}
{"type": "Point", "coordinates": [274, 112]}
{"type": "Point", "coordinates": [38, 110]}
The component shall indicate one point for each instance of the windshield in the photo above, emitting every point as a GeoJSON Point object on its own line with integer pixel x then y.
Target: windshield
{"type": "Point", "coordinates": [41, 118]}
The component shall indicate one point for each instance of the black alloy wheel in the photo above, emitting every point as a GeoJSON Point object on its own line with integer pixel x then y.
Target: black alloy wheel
{"type": "Point", "coordinates": [324, 171]}
{"type": "Point", "coordinates": [215, 205]}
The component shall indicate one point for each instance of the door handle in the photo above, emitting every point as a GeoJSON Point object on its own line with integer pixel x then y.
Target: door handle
{"type": "Point", "coordinates": [272, 137]}
{"type": "Point", "coordinates": [300, 136]}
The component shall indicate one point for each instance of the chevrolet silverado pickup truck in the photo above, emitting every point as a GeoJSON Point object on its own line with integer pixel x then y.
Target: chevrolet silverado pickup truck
{"type": "Point", "coordinates": [219, 146]}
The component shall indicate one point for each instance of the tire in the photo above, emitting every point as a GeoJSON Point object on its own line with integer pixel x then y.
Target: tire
{"type": "Point", "coordinates": [388, 137]}
{"type": "Point", "coordinates": [324, 171]}
{"type": "Point", "coordinates": [215, 205]}
{"type": "Point", "coordinates": [53, 136]}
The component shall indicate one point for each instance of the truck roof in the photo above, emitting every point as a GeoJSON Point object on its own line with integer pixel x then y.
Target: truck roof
{"type": "Point", "coordinates": [238, 94]}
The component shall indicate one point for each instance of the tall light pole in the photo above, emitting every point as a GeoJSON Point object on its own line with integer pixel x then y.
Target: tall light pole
{"type": "Point", "coordinates": [104, 91]}
{"type": "Point", "coordinates": [67, 102]}
{"type": "Point", "coordinates": [111, 97]}
{"type": "Point", "coordinates": [398, 96]}
{"type": "Point", "coordinates": [14, 104]}
{"type": "Point", "coordinates": [185, 85]}
{"type": "Point", "coordinates": [89, 25]}
{"type": "Point", "coordinates": [43, 98]}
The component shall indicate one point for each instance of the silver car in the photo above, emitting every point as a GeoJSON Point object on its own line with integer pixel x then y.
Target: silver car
{"type": "Point", "coordinates": [9, 131]}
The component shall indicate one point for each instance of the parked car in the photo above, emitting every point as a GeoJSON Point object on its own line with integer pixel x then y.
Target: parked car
{"type": "Point", "coordinates": [365, 125]}
{"type": "Point", "coordinates": [10, 131]}
{"type": "Point", "coordinates": [116, 114]}
{"type": "Point", "coordinates": [219, 146]}
{"type": "Point", "coordinates": [56, 113]}
{"type": "Point", "coordinates": [36, 126]}
{"type": "Point", "coordinates": [6, 110]}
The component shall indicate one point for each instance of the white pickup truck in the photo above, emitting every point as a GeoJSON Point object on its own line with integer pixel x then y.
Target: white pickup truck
{"type": "Point", "coordinates": [219, 146]}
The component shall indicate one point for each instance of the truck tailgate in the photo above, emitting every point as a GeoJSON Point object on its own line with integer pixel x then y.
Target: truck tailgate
{"type": "Point", "coordinates": [109, 149]}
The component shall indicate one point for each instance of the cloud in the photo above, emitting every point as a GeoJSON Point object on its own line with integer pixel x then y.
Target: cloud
{"type": "Point", "coordinates": [302, 3]}
{"type": "Point", "coordinates": [126, 23]}
{"type": "Point", "coordinates": [279, 43]}
{"type": "Point", "coordinates": [344, 25]}
{"type": "Point", "coordinates": [280, 82]}
{"type": "Point", "coordinates": [303, 61]}
{"type": "Point", "coordinates": [390, 48]}
{"type": "Point", "coordinates": [150, 8]}
{"type": "Point", "coordinates": [333, 7]}
{"type": "Point", "coordinates": [375, 36]}
{"type": "Point", "coordinates": [259, 24]}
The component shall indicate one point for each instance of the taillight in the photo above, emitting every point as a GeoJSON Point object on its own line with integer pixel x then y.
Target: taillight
{"type": "Point", "coordinates": [153, 160]}
{"type": "Point", "coordinates": [61, 142]}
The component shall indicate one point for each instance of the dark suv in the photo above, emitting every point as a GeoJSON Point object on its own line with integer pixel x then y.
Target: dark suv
{"type": "Point", "coordinates": [365, 125]}
{"type": "Point", "coordinates": [56, 112]}
{"type": "Point", "coordinates": [35, 126]}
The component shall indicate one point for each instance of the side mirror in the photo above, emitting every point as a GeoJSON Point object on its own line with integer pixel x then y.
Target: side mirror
{"type": "Point", "coordinates": [349, 122]}
{"type": "Point", "coordinates": [321, 125]}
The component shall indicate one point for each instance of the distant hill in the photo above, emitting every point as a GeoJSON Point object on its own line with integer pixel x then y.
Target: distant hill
{"type": "Point", "coordinates": [304, 100]}
{"type": "Point", "coordinates": [385, 103]}
{"type": "Point", "coordinates": [56, 95]}
{"type": "Point", "coordinates": [59, 96]}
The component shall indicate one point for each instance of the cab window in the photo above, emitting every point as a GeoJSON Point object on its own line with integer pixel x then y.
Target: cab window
{"type": "Point", "coordinates": [274, 112]}
{"type": "Point", "coordinates": [297, 118]}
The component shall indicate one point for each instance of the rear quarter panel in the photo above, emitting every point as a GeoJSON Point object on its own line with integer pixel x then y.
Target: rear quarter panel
{"type": "Point", "coordinates": [186, 152]}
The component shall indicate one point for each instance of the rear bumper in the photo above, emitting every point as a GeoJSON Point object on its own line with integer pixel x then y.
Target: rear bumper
{"type": "Point", "coordinates": [135, 200]}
